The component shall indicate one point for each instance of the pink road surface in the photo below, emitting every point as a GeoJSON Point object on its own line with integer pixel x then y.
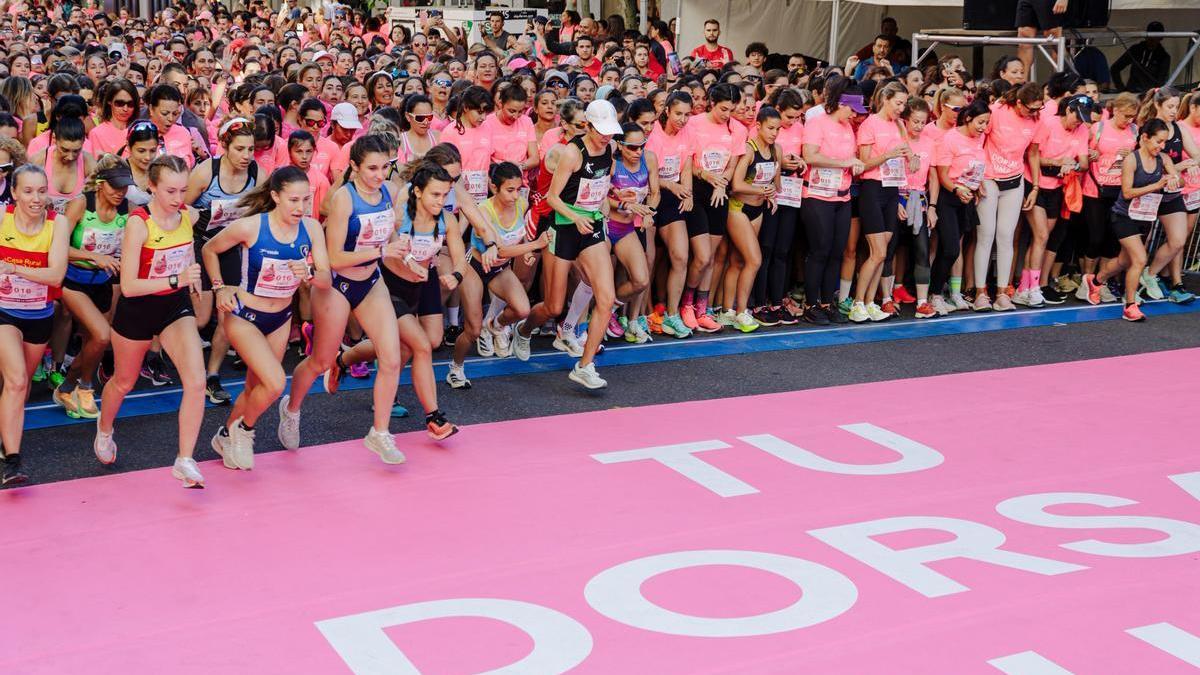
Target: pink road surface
{"type": "Point", "coordinates": [131, 574]}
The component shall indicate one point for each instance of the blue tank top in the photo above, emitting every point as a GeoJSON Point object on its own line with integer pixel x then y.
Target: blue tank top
{"type": "Point", "coordinates": [1141, 178]}
{"type": "Point", "coordinates": [425, 245]}
{"type": "Point", "coordinates": [370, 225]}
{"type": "Point", "coordinates": [638, 181]}
{"type": "Point", "coordinates": [508, 236]}
{"type": "Point", "coordinates": [265, 270]}
{"type": "Point", "coordinates": [217, 207]}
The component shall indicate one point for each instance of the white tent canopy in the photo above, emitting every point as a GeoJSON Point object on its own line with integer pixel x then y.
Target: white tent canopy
{"type": "Point", "coordinates": [806, 25]}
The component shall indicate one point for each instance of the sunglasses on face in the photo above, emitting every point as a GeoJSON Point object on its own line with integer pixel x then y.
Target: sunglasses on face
{"type": "Point", "coordinates": [309, 122]}
{"type": "Point", "coordinates": [1034, 108]}
{"type": "Point", "coordinates": [443, 83]}
{"type": "Point", "coordinates": [122, 103]}
{"type": "Point", "coordinates": [633, 146]}
{"type": "Point", "coordinates": [421, 119]}
{"type": "Point", "coordinates": [954, 108]}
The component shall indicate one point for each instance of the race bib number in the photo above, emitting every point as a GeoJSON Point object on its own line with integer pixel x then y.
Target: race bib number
{"type": "Point", "coordinates": [714, 161]}
{"type": "Point", "coordinates": [972, 178]}
{"type": "Point", "coordinates": [764, 173]}
{"type": "Point", "coordinates": [103, 242]}
{"type": "Point", "coordinates": [1145, 208]}
{"type": "Point", "coordinates": [825, 181]}
{"type": "Point", "coordinates": [892, 172]}
{"type": "Point", "coordinates": [374, 229]}
{"type": "Point", "coordinates": [1191, 200]}
{"type": "Point", "coordinates": [476, 184]}
{"type": "Point", "coordinates": [790, 190]}
{"type": "Point", "coordinates": [168, 261]}
{"type": "Point", "coordinates": [592, 193]}
{"type": "Point", "coordinates": [20, 293]}
{"type": "Point", "coordinates": [222, 212]}
{"type": "Point", "coordinates": [669, 168]}
{"type": "Point", "coordinates": [425, 247]}
{"type": "Point", "coordinates": [276, 279]}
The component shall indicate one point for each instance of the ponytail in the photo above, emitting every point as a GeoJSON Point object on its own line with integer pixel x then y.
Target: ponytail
{"type": "Point", "coordinates": [1152, 100]}
{"type": "Point", "coordinates": [259, 200]}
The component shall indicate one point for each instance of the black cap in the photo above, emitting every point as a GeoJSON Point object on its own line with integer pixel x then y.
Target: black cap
{"type": "Point", "coordinates": [118, 177]}
{"type": "Point", "coordinates": [1155, 27]}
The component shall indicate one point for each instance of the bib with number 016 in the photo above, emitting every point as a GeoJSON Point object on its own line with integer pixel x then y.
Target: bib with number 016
{"type": "Point", "coordinates": [17, 292]}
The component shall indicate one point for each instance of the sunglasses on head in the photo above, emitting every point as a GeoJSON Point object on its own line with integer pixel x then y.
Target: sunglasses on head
{"type": "Point", "coordinates": [142, 125]}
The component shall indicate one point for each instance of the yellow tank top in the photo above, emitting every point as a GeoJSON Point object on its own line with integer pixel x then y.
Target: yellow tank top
{"type": "Point", "coordinates": [25, 250]}
{"type": "Point", "coordinates": [165, 252]}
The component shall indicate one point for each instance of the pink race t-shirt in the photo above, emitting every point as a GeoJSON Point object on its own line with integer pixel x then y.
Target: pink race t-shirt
{"type": "Point", "coordinates": [1108, 142]}
{"type": "Point", "coordinates": [551, 138]}
{"type": "Point", "coordinates": [1055, 142]}
{"type": "Point", "coordinates": [1191, 177]}
{"type": "Point", "coordinates": [42, 141]}
{"type": "Point", "coordinates": [791, 139]}
{"type": "Point", "coordinates": [106, 138]}
{"type": "Point", "coordinates": [671, 151]}
{"type": "Point", "coordinates": [269, 159]}
{"type": "Point", "coordinates": [883, 136]}
{"type": "Point", "coordinates": [715, 145]}
{"type": "Point", "coordinates": [510, 142]}
{"type": "Point", "coordinates": [178, 141]}
{"type": "Point", "coordinates": [1009, 135]}
{"type": "Point", "coordinates": [320, 188]}
{"type": "Point", "coordinates": [323, 156]}
{"type": "Point", "coordinates": [963, 155]}
{"type": "Point", "coordinates": [834, 140]}
{"type": "Point", "coordinates": [933, 132]}
{"type": "Point", "coordinates": [925, 148]}
{"type": "Point", "coordinates": [475, 146]}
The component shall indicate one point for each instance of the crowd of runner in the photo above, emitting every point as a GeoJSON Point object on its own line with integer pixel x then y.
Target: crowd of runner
{"type": "Point", "coordinates": [212, 185]}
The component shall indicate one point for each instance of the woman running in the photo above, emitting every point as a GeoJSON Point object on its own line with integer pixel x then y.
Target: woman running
{"type": "Point", "coordinates": [218, 206]}
{"type": "Point", "coordinates": [66, 164]}
{"type": "Point", "coordinates": [1112, 141]}
{"type": "Point", "coordinates": [155, 301]}
{"type": "Point", "coordinates": [98, 217]}
{"type": "Point", "coordinates": [755, 187]}
{"type": "Point", "coordinates": [1142, 184]}
{"type": "Point", "coordinates": [577, 192]}
{"type": "Point", "coordinates": [960, 161]}
{"type": "Point", "coordinates": [33, 259]}
{"type": "Point", "coordinates": [281, 247]}
{"type": "Point", "coordinates": [671, 146]}
{"type": "Point", "coordinates": [632, 209]}
{"type": "Point", "coordinates": [884, 151]}
{"type": "Point", "coordinates": [362, 218]}
{"type": "Point", "coordinates": [141, 147]}
{"type": "Point", "coordinates": [830, 153]}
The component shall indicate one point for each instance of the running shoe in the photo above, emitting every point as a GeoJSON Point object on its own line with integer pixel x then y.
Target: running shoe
{"type": "Point", "coordinates": [1081, 293]}
{"type": "Point", "coordinates": [457, 377]}
{"type": "Point", "coordinates": [797, 294]}
{"type": "Point", "coordinates": [688, 314]}
{"type": "Point", "coordinates": [958, 303]}
{"type": "Point", "coordinates": [12, 474]}
{"type": "Point", "coordinates": [158, 375]}
{"type": "Point", "coordinates": [1093, 288]}
{"type": "Point", "coordinates": [67, 401]}
{"type": "Point", "coordinates": [925, 310]}
{"type": "Point", "coordinates": [654, 324]}
{"type": "Point", "coordinates": [858, 313]}
{"type": "Point", "coordinates": [845, 306]}
{"type": "Point", "coordinates": [55, 378]}
{"type": "Point", "coordinates": [938, 304]}
{"type": "Point", "coordinates": [901, 295]}
{"type": "Point", "coordinates": [451, 336]}
{"type": "Point", "coordinates": [673, 325]}
{"type": "Point", "coordinates": [765, 316]}
{"type": "Point", "coordinates": [186, 471]}
{"type": "Point", "coordinates": [1036, 299]}
{"type": "Point", "coordinates": [890, 307]}
{"type": "Point", "coordinates": [640, 335]}
{"type": "Point", "coordinates": [438, 426]}
{"type": "Point", "coordinates": [1052, 296]}
{"type": "Point", "coordinates": [744, 322]}
{"type": "Point", "coordinates": [645, 324]}
{"type": "Point", "coordinates": [877, 314]}
{"type": "Point", "coordinates": [520, 343]}
{"type": "Point", "coordinates": [39, 373]}
{"type": "Point", "coordinates": [587, 376]}
{"type": "Point", "coordinates": [501, 340]}
{"type": "Point", "coordinates": [1180, 295]}
{"type": "Point", "coordinates": [1003, 303]}
{"type": "Point", "coordinates": [241, 445]}
{"type": "Point", "coordinates": [816, 315]}
{"type": "Point", "coordinates": [790, 309]}
{"type": "Point", "coordinates": [289, 425]}
{"type": "Point", "coordinates": [786, 317]}
{"type": "Point", "coordinates": [1148, 285]}
{"type": "Point", "coordinates": [383, 443]}
{"type": "Point", "coordinates": [360, 371]}
{"type": "Point", "coordinates": [982, 302]}
{"type": "Point", "coordinates": [1111, 291]}
{"type": "Point", "coordinates": [835, 314]}
{"type": "Point", "coordinates": [86, 400]}
{"type": "Point", "coordinates": [706, 324]}
{"type": "Point", "coordinates": [399, 411]}
{"type": "Point", "coordinates": [484, 344]}
{"type": "Point", "coordinates": [215, 392]}
{"type": "Point", "coordinates": [614, 330]}
{"type": "Point", "coordinates": [568, 343]}
{"type": "Point", "coordinates": [727, 317]}
{"type": "Point", "coordinates": [306, 337]}
{"type": "Point", "coordinates": [1133, 313]}
{"type": "Point", "coordinates": [1065, 284]}
{"type": "Point", "coordinates": [104, 446]}
{"type": "Point", "coordinates": [221, 445]}
{"type": "Point", "coordinates": [333, 376]}
{"type": "Point", "coordinates": [1021, 298]}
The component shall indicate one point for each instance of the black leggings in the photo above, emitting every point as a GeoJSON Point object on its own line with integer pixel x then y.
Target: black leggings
{"type": "Point", "coordinates": [952, 223]}
{"type": "Point", "coordinates": [827, 226]}
{"type": "Point", "coordinates": [1097, 212]}
{"type": "Point", "coordinates": [775, 238]}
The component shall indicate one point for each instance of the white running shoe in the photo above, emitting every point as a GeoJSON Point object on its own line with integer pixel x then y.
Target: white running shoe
{"type": "Point", "coordinates": [568, 343]}
{"type": "Point", "coordinates": [1021, 298]}
{"type": "Point", "coordinates": [727, 317]}
{"type": "Point", "coordinates": [587, 376]}
{"type": "Point", "coordinates": [501, 339]}
{"type": "Point", "coordinates": [104, 446]}
{"type": "Point", "coordinates": [959, 303]}
{"type": "Point", "coordinates": [185, 470]}
{"type": "Point", "coordinates": [1036, 299]}
{"type": "Point", "coordinates": [383, 443]}
{"type": "Point", "coordinates": [876, 313]}
{"type": "Point", "coordinates": [520, 343]}
{"type": "Point", "coordinates": [457, 377]}
{"type": "Point", "coordinates": [241, 445]}
{"type": "Point", "coordinates": [858, 313]}
{"type": "Point", "coordinates": [483, 343]}
{"type": "Point", "coordinates": [939, 305]}
{"type": "Point", "coordinates": [1081, 293]}
{"type": "Point", "coordinates": [1106, 294]}
{"type": "Point", "coordinates": [744, 322]}
{"type": "Point", "coordinates": [1148, 284]}
{"type": "Point", "coordinates": [289, 425]}
{"type": "Point", "coordinates": [221, 444]}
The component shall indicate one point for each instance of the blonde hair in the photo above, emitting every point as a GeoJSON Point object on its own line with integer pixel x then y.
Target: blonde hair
{"type": "Point", "coordinates": [886, 93]}
{"type": "Point", "coordinates": [16, 151]}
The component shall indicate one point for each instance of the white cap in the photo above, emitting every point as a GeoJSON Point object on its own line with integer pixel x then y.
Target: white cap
{"type": "Point", "coordinates": [322, 55]}
{"type": "Point", "coordinates": [603, 118]}
{"type": "Point", "coordinates": [345, 115]}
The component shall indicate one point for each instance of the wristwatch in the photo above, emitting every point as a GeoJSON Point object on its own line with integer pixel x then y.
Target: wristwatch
{"type": "Point", "coordinates": [173, 280]}
{"type": "Point", "coordinates": [217, 285]}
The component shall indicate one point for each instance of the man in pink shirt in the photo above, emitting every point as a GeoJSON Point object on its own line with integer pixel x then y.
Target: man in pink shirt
{"type": "Point", "coordinates": [714, 54]}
